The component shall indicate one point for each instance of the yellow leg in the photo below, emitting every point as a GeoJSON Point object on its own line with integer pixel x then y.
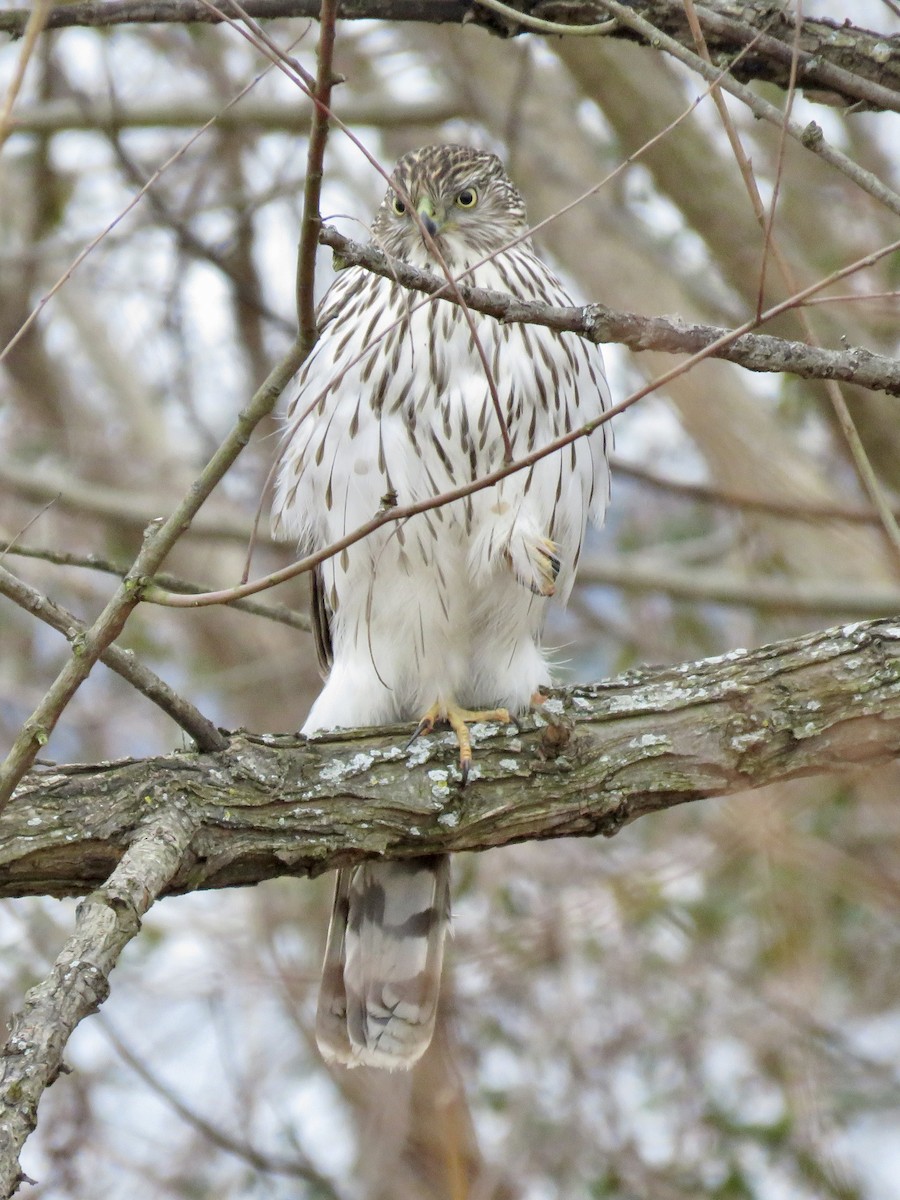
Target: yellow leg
{"type": "Point", "coordinates": [459, 720]}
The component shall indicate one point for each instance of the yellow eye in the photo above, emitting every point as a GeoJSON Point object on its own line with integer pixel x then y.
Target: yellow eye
{"type": "Point", "coordinates": [467, 198]}
{"type": "Point", "coordinates": [398, 206]}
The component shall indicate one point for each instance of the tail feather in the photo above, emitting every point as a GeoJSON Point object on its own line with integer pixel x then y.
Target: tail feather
{"type": "Point", "coordinates": [382, 970]}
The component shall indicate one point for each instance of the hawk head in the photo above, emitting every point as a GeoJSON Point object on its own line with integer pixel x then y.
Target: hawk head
{"type": "Point", "coordinates": [463, 198]}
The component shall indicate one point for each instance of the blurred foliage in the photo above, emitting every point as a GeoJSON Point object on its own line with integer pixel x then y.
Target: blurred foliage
{"type": "Point", "coordinates": [706, 1006]}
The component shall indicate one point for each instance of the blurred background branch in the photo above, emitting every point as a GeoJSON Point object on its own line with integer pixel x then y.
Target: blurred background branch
{"type": "Point", "coordinates": [704, 1006]}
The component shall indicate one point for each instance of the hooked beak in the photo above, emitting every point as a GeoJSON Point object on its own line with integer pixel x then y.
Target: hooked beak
{"type": "Point", "coordinates": [433, 221]}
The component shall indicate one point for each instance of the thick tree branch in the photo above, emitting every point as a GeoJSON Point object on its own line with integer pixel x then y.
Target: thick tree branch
{"type": "Point", "coordinates": [753, 351]}
{"type": "Point", "coordinates": [593, 759]}
{"type": "Point", "coordinates": [79, 982]}
{"type": "Point", "coordinates": [849, 64]}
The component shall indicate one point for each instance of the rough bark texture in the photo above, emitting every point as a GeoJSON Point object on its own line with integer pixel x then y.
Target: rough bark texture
{"type": "Point", "coordinates": [850, 64]}
{"type": "Point", "coordinates": [79, 981]}
{"type": "Point", "coordinates": [597, 323]}
{"type": "Point", "coordinates": [593, 759]}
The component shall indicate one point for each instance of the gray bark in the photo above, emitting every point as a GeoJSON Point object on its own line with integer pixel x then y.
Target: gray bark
{"type": "Point", "coordinates": [593, 759]}
{"type": "Point", "coordinates": [847, 64]}
{"type": "Point", "coordinates": [79, 980]}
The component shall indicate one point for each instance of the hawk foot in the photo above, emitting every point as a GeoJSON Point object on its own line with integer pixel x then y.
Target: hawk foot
{"type": "Point", "coordinates": [537, 564]}
{"type": "Point", "coordinates": [545, 556]}
{"type": "Point", "coordinates": [459, 720]}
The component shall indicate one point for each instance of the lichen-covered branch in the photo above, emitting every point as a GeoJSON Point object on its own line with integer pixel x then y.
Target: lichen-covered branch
{"type": "Point", "coordinates": [79, 980]}
{"type": "Point", "coordinates": [591, 760]}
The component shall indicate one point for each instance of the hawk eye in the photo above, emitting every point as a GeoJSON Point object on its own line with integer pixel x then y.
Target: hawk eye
{"type": "Point", "coordinates": [398, 206]}
{"type": "Point", "coordinates": [467, 198]}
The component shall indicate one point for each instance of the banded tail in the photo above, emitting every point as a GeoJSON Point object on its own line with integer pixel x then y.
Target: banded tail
{"type": "Point", "coordinates": [382, 970]}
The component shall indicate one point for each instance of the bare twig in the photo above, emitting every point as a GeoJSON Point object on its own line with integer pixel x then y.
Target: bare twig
{"type": "Point", "coordinates": [95, 562]}
{"type": "Point", "coordinates": [401, 513]}
{"type": "Point", "coordinates": [231, 1143]}
{"type": "Point", "coordinates": [640, 573]}
{"type": "Point", "coordinates": [37, 19]}
{"type": "Point", "coordinates": [539, 25]}
{"type": "Point", "coordinates": [123, 662]}
{"type": "Point", "coordinates": [157, 545]}
{"type": "Point", "coordinates": [809, 136]}
{"type": "Point", "coordinates": [793, 510]}
{"type": "Point", "coordinates": [311, 221]}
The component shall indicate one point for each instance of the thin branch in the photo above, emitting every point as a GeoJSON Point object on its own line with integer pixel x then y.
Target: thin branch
{"type": "Point", "coordinates": [590, 760]}
{"type": "Point", "coordinates": [123, 662]}
{"type": "Point", "coordinates": [810, 136]}
{"type": "Point", "coordinates": [126, 509]}
{"type": "Point", "coordinates": [259, 1160]}
{"type": "Point", "coordinates": [159, 541]}
{"type": "Point", "coordinates": [539, 25]}
{"type": "Point", "coordinates": [34, 27]}
{"type": "Point", "coordinates": [268, 116]}
{"type": "Point", "coordinates": [402, 513]}
{"type": "Point", "coordinates": [311, 220]}
{"type": "Point", "coordinates": [640, 573]}
{"type": "Point", "coordinates": [95, 562]}
{"type": "Point", "coordinates": [792, 510]}
{"type": "Point", "coordinates": [79, 980]}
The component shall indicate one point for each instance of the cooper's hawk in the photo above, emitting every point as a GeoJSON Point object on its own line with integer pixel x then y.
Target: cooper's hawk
{"type": "Point", "coordinates": [443, 611]}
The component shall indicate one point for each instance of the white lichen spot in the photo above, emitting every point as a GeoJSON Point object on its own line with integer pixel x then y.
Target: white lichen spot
{"type": "Point", "coordinates": [440, 782]}
{"type": "Point", "coordinates": [35, 821]}
{"type": "Point", "coordinates": [746, 741]}
{"type": "Point", "coordinates": [509, 764]}
{"type": "Point", "coordinates": [449, 819]}
{"type": "Point", "coordinates": [334, 771]}
{"type": "Point", "coordinates": [554, 705]}
{"type": "Point", "coordinates": [418, 753]}
{"type": "Point", "coordinates": [849, 630]}
{"type": "Point", "coordinates": [483, 729]}
{"type": "Point", "coordinates": [813, 705]}
{"type": "Point", "coordinates": [361, 761]}
{"type": "Point", "coordinates": [580, 702]}
{"type": "Point", "coordinates": [810, 729]}
{"type": "Point", "coordinates": [649, 739]}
